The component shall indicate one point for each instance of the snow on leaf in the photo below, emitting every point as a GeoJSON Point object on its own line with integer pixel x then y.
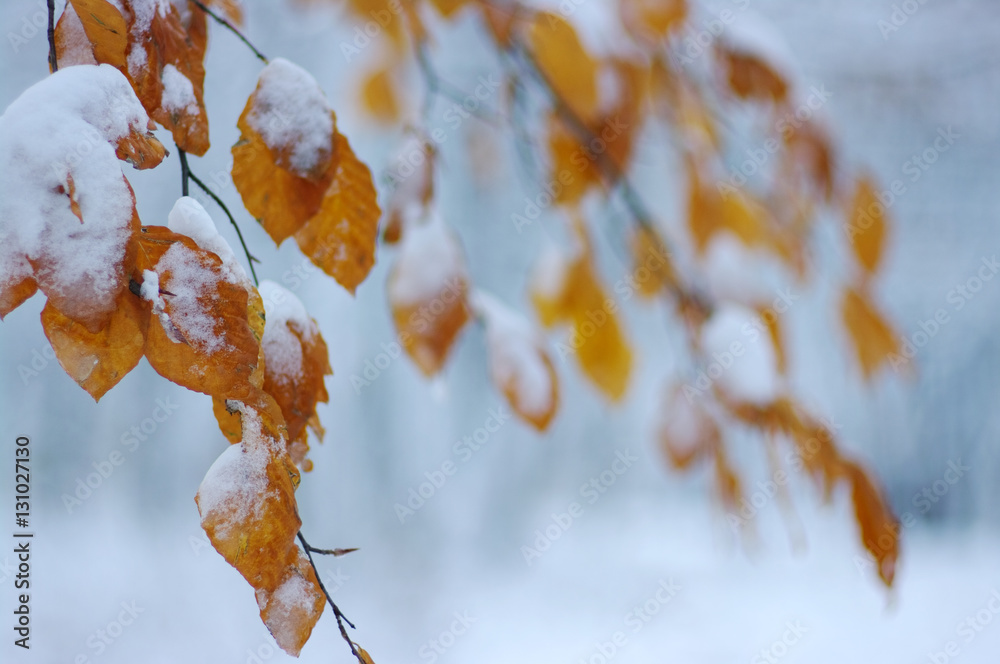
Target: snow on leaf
{"type": "Point", "coordinates": [292, 609]}
{"type": "Point", "coordinates": [295, 360]}
{"type": "Point", "coordinates": [747, 371]}
{"type": "Point", "coordinates": [97, 361]}
{"type": "Point", "coordinates": [67, 214]}
{"type": "Point", "coordinates": [203, 339]}
{"type": "Point", "coordinates": [564, 61]}
{"type": "Point", "coordinates": [519, 364]}
{"type": "Point", "coordinates": [867, 227]}
{"type": "Point", "coordinates": [298, 176]}
{"type": "Point", "coordinates": [427, 290]}
{"type": "Point", "coordinates": [414, 186]}
{"type": "Point", "coordinates": [873, 338]}
{"type": "Point", "coordinates": [655, 17]}
{"type": "Point", "coordinates": [568, 290]}
{"type": "Point", "coordinates": [685, 430]}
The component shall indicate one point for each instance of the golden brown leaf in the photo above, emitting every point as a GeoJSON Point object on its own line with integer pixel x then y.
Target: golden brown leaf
{"type": "Point", "coordinates": [340, 238]}
{"type": "Point", "coordinates": [294, 606]}
{"type": "Point", "coordinates": [201, 336]}
{"type": "Point", "coordinates": [448, 7]}
{"type": "Point", "coordinates": [879, 527]}
{"type": "Point", "coordinates": [656, 18]}
{"type": "Point", "coordinates": [379, 97]}
{"type": "Point", "coordinates": [867, 226]}
{"type": "Point", "coordinates": [565, 63]}
{"type": "Point", "coordinates": [105, 29]}
{"type": "Point", "coordinates": [427, 287]}
{"type": "Point", "coordinates": [872, 337]}
{"type": "Point", "coordinates": [751, 77]}
{"type": "Point", "coordinates": [654, 271]}
{"type": "Point", "coordinates": [14, 294]}
{"type": "Point", "coordinates": [97, 361]}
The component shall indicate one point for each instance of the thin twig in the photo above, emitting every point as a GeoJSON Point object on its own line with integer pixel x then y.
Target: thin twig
{"type": "Point", "coordinates": [185, 171]}
{"type": "Point", "coordinates": [53, 64]}
{"type": "Point", "coordinates": [251, 259]}
{"type": "Point", "coordinates": [436, 85]}
{"type": "Point", "coordinates": [332, 552]}
{"type": "Point", "coordinates": [200, 5]}
{"type": "Point", "coordinates": [341, 618]}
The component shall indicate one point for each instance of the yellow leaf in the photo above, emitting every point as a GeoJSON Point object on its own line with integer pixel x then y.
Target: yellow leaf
{"type": "Point", "coordinates": [565, 63]}
{"type": "Point", "coordinates": [655, 17]}
{"type": "Point", "coordinates": [379, 96]}
{"type": "Point", "coordinates": [867, 227]}
{"type": "Point", "coordinates": [105, 29]}
{"type": "Point", "coordinates": [873, 339]}
{"type": "Point", "coordinates": [571, 292]}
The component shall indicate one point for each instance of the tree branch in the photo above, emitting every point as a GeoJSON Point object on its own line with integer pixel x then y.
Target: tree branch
{"type": "Point", "coordinates": [341, 618]}
{"type": "Point", "coordinates": [200, 5]}
{"type": "Point", "coordinates": [53, 64]}
{"type": "Point", "coordinates": [251, 259]}
{"type": "Point", "coordinates": [436, 85]}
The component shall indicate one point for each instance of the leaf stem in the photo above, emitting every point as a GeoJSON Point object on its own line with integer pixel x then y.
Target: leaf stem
{"type": "Point", "coordinates": [53, 63]}
{"type": "Point", "coordinates": [185, 171]}
{"type": "Point", "coordinates": [251, 259]}
{"type": "Point", "coordinates": [200, 5]}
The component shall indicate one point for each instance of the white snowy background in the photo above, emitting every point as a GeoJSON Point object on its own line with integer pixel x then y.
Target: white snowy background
{"type": "Point", "coordinates": [136, 539]}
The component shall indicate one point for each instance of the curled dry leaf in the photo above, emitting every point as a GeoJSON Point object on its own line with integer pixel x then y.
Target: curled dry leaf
{"type": "Point", "coordinates": [299, 177]}
{"type": "Point", "coordinates": [568, 290]}
{"type": "Point", "coordinates": [519, 364]}
{"type": "Point", "coordinates": [427, 290]}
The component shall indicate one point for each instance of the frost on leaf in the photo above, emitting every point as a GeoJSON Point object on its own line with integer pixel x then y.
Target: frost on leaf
{"type": "Point", "coordinates": [160, 45]}
{"type": "Point", "coordinates": [296, 361]}
{"type": "Point", "coordinates": [68, 223]}
{"type": "Point", "coordinates": [427, 291]}
{"type": "Point", "coordinates": [248, 510]}
{"type": "Point", "coordinates": [568, 290]}
{"type": "Point", "coordinates": [299, 177]}
{"type": "Point", "coordinates": [871, 335]}
{"type": "Point", "coordinates": [519, 364]}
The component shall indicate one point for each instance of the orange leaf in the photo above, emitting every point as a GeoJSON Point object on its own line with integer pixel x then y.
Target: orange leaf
{"type": "Point", "coordinates": [867, 228]}
{"type": "Point", "coordinates": [340, 238]}
{"type": "Point", "coordinates": [105, 29]}
{"type": "Point", "coordinates": [98, 361]}
{"type": "Point", "coordinates": [520, 367]}
{"type": "Point", "coordinates": [294, 606]}
{"type": "Point", "coordinates": [654, 272]}
{"type": "Point", "coordinates": [879, 528]}
{"type": "Point", "coordinates": [201, 337]}
{"type": "Point", "coordinates": [655, 17]}
{"type": "Point", "coordinates": [379, 96]}
{"type": "Point", "coordinates": [565, 63]}
{"type": "Point", "coordinates": [448, 7]}
{"type": "Point", "coordinates": [295, 360]}
{"type": "Point", "coordinates": [874, 340]}
{"type": "Point", "coordinates": [752, 77]}
{"type": "Point", "coordinates": [427, 290]}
